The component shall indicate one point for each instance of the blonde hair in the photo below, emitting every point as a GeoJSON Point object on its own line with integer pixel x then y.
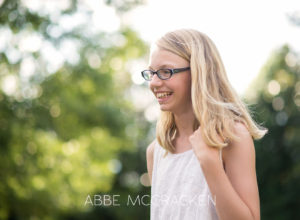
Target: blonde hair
{"type": "Point", "coordinates": [215, 103]}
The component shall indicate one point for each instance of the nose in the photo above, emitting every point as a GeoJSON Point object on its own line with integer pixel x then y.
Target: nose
{"type": "Point", "coordinates": [155, 81]}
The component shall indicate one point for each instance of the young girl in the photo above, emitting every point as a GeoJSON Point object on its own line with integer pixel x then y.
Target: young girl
{"type": "Point", "coordinates": [202, 163]}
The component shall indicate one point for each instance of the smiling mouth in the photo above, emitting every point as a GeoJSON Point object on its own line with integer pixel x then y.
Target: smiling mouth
{"type": "Point", "coordinates": [164, 98]}
{"type": "Point", "coordinates": [163, 95]}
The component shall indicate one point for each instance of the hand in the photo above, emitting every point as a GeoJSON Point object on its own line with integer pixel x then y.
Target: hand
{"type": "Point", "coordinates": [204, 153]}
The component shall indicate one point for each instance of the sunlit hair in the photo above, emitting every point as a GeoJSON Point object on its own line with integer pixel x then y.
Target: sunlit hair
{"type": "Point", "coordinates": [215, 103]}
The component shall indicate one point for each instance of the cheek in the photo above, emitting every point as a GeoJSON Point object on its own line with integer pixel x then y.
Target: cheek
{"type": "Point", "coordinates": [187, 85]}
{"type": "Point", "coordinates": [183, 89]}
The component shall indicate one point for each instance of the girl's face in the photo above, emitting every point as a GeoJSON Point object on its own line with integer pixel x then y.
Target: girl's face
{"type": "Point", "coordinates": [179, 85]}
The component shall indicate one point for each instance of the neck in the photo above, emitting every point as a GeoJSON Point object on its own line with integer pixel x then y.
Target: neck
{"type": "Point", "coordinates": [184, 122]}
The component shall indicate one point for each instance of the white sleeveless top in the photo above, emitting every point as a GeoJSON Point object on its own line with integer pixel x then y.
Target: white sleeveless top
{"type": "Point", "coordinates": [179, 190]}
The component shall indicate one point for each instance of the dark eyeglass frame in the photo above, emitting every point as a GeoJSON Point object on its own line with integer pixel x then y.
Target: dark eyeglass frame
{"type": "Point", "coordinates": [173, 71]}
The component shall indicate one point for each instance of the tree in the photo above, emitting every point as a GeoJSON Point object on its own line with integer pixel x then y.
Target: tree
{"type": "Point", "coordinates": [277, 99]}
{"type": "Point", "coordinates": [64, 116]}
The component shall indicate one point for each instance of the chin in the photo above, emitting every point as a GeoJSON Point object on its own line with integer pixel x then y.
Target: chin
{"type": "Point", "coordinates": [165, 109]}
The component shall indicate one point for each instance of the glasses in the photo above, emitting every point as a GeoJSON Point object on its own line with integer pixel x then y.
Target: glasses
{"type": "Point", "coordinates": [162, 73]}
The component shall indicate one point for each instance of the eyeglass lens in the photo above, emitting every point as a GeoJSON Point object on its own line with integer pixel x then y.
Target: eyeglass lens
{"type": "Point", "coordinates": [162, 74]}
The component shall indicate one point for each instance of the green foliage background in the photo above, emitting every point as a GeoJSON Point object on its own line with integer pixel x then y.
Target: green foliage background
{"type": "Point", "coordinates": [276, 93]}
{"type": "Point", "coordinates": [72, 131]}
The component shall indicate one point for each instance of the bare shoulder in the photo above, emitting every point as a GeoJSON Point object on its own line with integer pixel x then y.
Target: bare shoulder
{"type": "Point", "coordinates": [150, 148]}
{"type": "Point", "coordinates": [149, 158]}
{"type": "Point", "coordinates": [150, 151]}
{"type": "Point", "coordinates": [243, 148]}
{"type": "Point", "coordinates": [242, 131]}
{"type": "Point", "coordinates": [245, 140]}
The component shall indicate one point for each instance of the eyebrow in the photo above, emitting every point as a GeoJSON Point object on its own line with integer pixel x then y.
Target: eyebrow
{"type": "Point", "coordinates": [167, 66]}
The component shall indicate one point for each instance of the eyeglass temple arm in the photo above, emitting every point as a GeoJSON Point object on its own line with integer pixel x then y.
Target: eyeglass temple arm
{"type": "Point", "coordinates": [180, 69]}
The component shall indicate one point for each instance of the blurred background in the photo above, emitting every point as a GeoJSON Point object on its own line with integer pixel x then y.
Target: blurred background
{"type": "Point", "coordinates": [76, 116]}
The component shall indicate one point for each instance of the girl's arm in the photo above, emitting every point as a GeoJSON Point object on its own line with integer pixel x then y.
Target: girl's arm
{"type": "Point", "coordinates": [235, 190]}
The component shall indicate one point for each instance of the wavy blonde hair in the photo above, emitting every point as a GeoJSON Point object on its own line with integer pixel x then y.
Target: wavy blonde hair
{"type": "Point", "coordinates": [215, 103]}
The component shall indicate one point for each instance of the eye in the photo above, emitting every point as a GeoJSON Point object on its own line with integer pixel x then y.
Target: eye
{"type": "Point", "coordinates": [165, 71]}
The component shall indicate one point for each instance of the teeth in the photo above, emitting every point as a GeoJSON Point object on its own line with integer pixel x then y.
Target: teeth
{"type": "Point", "coordinates": [164, 94]}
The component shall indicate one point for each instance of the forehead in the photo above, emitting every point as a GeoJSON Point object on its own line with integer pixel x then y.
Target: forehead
{"type": "Point", "coordinates": [163, 58]}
